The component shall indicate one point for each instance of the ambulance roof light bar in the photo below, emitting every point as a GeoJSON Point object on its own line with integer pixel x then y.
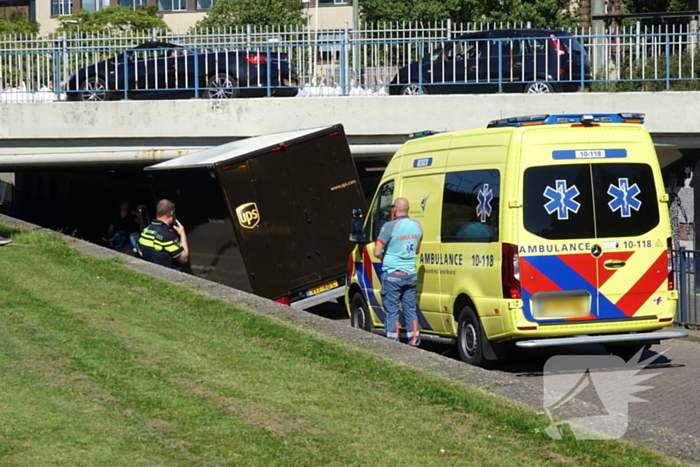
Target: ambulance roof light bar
{"type": "Point", "coordinates": [585, 119]}
{"type": "Point", "coordinates": [421, 134]}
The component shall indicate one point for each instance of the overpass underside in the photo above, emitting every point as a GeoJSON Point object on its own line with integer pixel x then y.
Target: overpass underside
{"type": "Point", "coordinates": [128, 134]}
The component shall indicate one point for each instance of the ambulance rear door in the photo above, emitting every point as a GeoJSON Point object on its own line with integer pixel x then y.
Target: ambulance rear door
{"type": "Point", "coordinates": [633, 234]}
{"type": "Point", "coordinates": [558, 270]}
{"type": "Point", "coordinates": [592, 244]}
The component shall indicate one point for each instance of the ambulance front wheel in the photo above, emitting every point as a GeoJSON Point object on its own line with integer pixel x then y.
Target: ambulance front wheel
{"type": "Point", "coordinates": [469, 334]}
{"type": "Point", "coordinates": [359, 313]}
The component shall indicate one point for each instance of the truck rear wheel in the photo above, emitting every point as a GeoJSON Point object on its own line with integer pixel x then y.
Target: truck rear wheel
{"type": "Point", "coordinates": [469, 334]}
{"type": "Point", "coordinates": [360, 316]}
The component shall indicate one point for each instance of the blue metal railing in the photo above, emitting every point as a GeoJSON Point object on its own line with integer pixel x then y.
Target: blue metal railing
{"type": "Point", "coordinates": [687, 266]}
{"type": "Point", "coordinates": [348, 66]}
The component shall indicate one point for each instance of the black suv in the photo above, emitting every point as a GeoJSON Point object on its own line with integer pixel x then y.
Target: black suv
{"type": "Point", "coordinates": [503, 60]}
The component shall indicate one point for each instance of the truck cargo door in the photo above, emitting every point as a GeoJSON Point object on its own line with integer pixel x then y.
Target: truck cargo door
{"type": "Point", "coordinates": [324, 180]}
{"type": "Point", "coordinates": [261, 198]}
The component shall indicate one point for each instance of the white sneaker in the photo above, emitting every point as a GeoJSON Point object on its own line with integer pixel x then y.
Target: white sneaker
{"type": "Point", "coordinates": [5, 241]}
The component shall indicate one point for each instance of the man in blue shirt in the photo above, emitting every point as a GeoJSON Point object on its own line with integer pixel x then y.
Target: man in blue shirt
{"type": "Point", "coordinates": [399, 244]}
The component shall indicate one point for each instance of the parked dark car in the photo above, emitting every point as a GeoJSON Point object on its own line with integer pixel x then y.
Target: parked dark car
{"type": "Point", "coordinates": [163, 70]}
{"type": "Point", "coordinates": [529, 60]}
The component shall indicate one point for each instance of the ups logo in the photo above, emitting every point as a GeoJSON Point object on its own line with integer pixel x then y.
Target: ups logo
{"type": "Point", "coordinates": [248, 215]}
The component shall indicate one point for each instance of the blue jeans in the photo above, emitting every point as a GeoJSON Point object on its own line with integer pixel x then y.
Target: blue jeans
{"type": "Point", "coordinates": [400, 288]}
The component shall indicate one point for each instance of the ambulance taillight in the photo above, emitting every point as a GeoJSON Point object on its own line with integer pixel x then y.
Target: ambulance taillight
{"type": "Point", "coordinates": [671, 266]}
{"type": "Point", "coordinates": [510, 271]}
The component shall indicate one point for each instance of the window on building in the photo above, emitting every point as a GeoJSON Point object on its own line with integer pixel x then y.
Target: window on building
{"type": "Point", "coordinates": [336, 2]}
{"type": "Point", "coordinates": [130, 3]}
{"type": "Point", "coordinates": [205, 4]}
{"type": "Point", "coordinates": [172, 5]}
{"type": "Point", "coordinates": [61, 7]}
{"type": "Point", "coordinates": [94, 5]}
{"type": "Point", "coordinates": [470, 206]}
{"type": "Point", "coordinates": [329, 46]}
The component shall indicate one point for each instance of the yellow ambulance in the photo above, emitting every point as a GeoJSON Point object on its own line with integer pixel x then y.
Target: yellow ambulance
{"type": "Point", "coordinates": [539, 231]}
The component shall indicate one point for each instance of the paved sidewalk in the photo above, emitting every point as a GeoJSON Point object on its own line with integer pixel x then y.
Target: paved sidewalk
{"type": "Point", "coordinates": [667, 441]}
{"type": "Point", "coordinates": [693, 335]}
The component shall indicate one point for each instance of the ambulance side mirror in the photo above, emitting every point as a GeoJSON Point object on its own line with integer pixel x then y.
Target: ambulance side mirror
{"type": "Point", "coordinates": [357, 234]}
{"type": "Point", "coordinates": [384, 217]}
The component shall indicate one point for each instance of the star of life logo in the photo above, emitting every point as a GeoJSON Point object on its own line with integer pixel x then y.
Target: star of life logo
{"type": "Point", "coordinates": [614, 381]}
{"type": "Point", "coordinates": [483, 209]}
{"type": "Point", "coordinates": [561, 200]}
{"type": "Point", "coordinates": [409, 247]}
{"type": "Point", "coordinates": [624, 197]}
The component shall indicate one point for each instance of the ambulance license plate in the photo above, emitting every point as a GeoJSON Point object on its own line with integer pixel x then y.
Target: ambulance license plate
{"type": "Point", "coordinates": [321, 288]}
{"type": "Point", "coordinates": [562, 307]}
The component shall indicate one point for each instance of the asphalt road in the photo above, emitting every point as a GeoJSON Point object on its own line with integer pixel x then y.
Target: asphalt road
{"type": "Point", "coordinates": [671, 400]}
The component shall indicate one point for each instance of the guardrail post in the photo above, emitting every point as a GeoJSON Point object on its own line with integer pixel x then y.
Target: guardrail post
{"type": "Point", "coordinates": [683, 287]}
{"type": "Point", "coordinates": [420, 67]}
{"type": "Point", "coordinates": [583, 69]}
{"type": "Point", "coordinates": [196, 72]}
{"type": "Point", "coordinates": [668, 60]}
{"type": "Point", "coordinates": [268, 70]}
{"type": "Point", "coordinates": [500, 65]}
{"type": "Point", "coordinates": [344, 62]}
{"type": "Point", "coordinates": [637, 41]}
{"type": "Point", "coordinates": [64, 55]}
{"type": "Point", "coordinates": [57, 75]}
{"type": "Point", "coordinates": [126, 74]}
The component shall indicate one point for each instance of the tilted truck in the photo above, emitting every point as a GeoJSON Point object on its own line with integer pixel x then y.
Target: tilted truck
{"type": "Point", "coordinates": [268, 214]}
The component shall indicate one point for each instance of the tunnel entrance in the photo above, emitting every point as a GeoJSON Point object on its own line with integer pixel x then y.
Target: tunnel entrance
{"type": "Point", "coordinates": [81, 203]}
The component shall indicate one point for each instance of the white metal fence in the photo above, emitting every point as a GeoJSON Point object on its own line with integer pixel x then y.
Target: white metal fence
{"type": "Point", "coordinates": [347, 62]}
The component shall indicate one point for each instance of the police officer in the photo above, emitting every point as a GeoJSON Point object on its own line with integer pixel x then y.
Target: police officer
{"type": "Point", "coordinates": [399, 244]}
{"type": "Point", "coordinates": [164, 241]}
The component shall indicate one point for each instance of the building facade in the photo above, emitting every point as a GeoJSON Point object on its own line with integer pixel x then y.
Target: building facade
{"type": "Point", "coordinates": [179, 15]}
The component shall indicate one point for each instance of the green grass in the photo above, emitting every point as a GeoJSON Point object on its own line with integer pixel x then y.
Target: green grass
{"type": "Point", "coordinates": [102, 366]}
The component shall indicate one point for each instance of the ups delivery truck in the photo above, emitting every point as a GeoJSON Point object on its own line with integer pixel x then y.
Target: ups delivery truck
{"type": "Point", "coordinates": [269, 214]}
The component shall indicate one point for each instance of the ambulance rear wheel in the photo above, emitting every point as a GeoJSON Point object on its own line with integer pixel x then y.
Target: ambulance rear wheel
{"type": "Point", "coordinates": [469, 333]}
{"type": "Point", "coordinates": [360, 316]}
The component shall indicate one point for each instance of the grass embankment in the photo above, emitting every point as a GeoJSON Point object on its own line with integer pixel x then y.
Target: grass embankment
{"type": "Point", "coordinates": [102, 366]}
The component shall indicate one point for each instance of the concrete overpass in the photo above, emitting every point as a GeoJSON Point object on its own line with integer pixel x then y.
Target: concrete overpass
{"type": "Point", "coordinates": [133, 133]}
